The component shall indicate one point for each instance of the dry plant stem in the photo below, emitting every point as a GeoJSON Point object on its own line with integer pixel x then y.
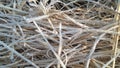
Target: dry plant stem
{"type": "Point", "coordinates": [12, 44]}
{"type": "Point", "coordinates": [48, 66]}
{"type": "Point", "coordinates": [36, 18]}
{"type": "Point", "coordinates": [18, 54]}
{"type": "Point", "coordinates": [66, 58]}
{"type": "Point", "coordinates": [95, 55]}
{"type": "Point", "coordinates": [77, 23]}
{"type": "Point", "coordinates": [45, 11]}
{"type": "Point", "coordinates": [96, 64]}
{"type": "Point", "coordinates": [60, 43]}
{"type": "Point", "coordinates": [9, 8]}
{"type": "Point", "coordinates": [102, 31]}
{"type": "Point", "coordinates": [94, 47]}
{"type": "Point", "coordinates": [116, 37]}
{"type": "Point", "coordinates": [102, 5]}
{"type": "Point", "coordinates": [40, 62]}
{"type": "Point", "coordinates": [48, 15]}
{"type": "Point", "coordinates": [100, 63]}
{"type": "Point", "coordinates": [117, 55]}
{"type": "Point", "coordinates": [72, 51]}
{"type": "Point", "coordinates": [32, 47]}
{"type": "Point", "coordinates": [12, 54]}
{"type": "Point", "coordinates": [13, 64]}
{"type": "Point", "coordinates": [4, 57]}
{"type": "Point", "coordinates": [49, 45]}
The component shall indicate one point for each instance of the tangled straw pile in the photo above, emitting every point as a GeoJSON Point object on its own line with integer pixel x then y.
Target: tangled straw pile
{"type": "Point", "coordinates": [63, 34]}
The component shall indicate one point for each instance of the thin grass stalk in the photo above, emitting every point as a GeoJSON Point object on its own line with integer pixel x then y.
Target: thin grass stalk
{"type": "Point", "coordinates": [12, 54]}
{"type": "Point", "coordinates": [50, 46]}
{"type": "Point", "coordinates": [45, 11]}
{"type": "Point", "coordinates": [60, 43]}
{"type": "Point", "coordinates": [94, 47]}
{"type": "Point", "coordinates": [110, 61]}
{"type": "Point", "coordinates": [116, 37]}
{"type": "Point", "coordinates": [13, 9]}
{"type": "Point", "coordinates": [18, 54]}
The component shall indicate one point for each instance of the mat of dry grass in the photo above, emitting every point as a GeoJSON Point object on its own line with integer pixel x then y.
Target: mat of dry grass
{"type": "Point", "coordinates": [58, 34]}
